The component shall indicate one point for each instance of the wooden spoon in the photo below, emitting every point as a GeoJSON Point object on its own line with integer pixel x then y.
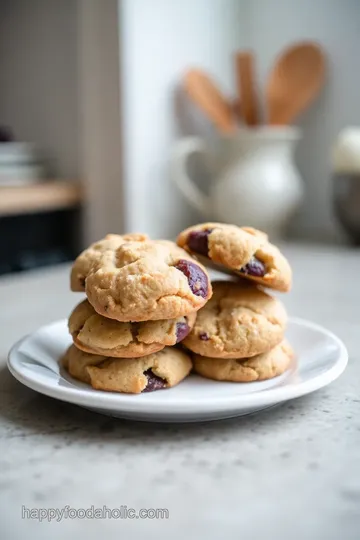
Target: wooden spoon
{"type": "Point", "coordinates": [244, 69]}
{"type": "Point", "coordinates": [294, 82]}
{"type": "Point", "coordinates": [204, 92]}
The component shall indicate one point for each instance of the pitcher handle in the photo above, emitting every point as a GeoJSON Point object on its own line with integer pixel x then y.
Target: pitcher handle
{"type": "Point", "coordinates": [181, 153]}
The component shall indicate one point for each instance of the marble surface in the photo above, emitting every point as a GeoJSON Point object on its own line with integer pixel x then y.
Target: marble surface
{"type": "Point", "coordinates": [290, 472]}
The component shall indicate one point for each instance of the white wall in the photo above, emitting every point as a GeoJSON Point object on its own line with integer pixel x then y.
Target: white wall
{"type": "Point", "coordinates": [100, 122]}
{"type": "Point", "coordinates": [272, 24]}
{"type": "Point", "coordinates": [159, 40]}
{"type": "Point", "coordinates": [38, 77]}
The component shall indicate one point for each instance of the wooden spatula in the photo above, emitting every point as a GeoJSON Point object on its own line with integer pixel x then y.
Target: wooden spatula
{"type": "Point", "coordinates": [207, 96]}
{"type": "Point", "coordinates": [245, 82]}
{"type": "Point", "coordinates": [294, 82]}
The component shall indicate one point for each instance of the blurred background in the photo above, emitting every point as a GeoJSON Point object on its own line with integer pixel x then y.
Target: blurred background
{"type": "Point", "coordinates": [94, 102]}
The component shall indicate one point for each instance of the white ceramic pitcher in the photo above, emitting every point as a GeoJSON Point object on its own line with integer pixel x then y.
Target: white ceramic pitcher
{"type": "Point", "coordinates": [254, 178]}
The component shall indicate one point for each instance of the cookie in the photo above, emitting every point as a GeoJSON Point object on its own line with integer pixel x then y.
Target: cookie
{"type": "Point", "coordinates": [96, 334]}
{"type": "Point", "coordinates": [149, 280]}
{"type": "Point", "coordinates": [92, 254]}
{"type": "Point", "coordinates": [239, 321]}
{"type": "Point", "coordinates": [76, 362]}
{"type": "Point", "coordinates": [258, 368]}
{"type": "Point", "coordinates": [244, 251]}
{"type": "Point", "coordinates": [163, 369]}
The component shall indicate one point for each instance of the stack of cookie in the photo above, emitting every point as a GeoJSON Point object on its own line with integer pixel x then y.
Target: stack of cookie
{"type": "Point", "coordinates": [142, 297]}
{"type": "Point", "coordinates": [239, 334]}
{"type": "Point", "coordinates": [146, 296]}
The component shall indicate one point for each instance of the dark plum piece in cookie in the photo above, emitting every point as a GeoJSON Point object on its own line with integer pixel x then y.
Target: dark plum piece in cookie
{"type": "Point", "coordinates": [154, 382]}
{"type": "Point", "coordinates": [254, 268]}
{"type": "Point", "coordinates": [182, 330]}
{"type": "Point", "coordinates": [198, 280]}
{"type": "Point", "coordinates": [198, 242]}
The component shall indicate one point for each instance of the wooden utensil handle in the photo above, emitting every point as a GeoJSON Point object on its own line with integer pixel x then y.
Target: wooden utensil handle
{"type": "Point", "coordinates": [246, 87]}
{"type": "Point", "coordinates": [205, 93]}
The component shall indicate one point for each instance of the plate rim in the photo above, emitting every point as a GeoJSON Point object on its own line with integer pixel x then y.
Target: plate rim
{"type": "Point", "coordinates": [129, 404]}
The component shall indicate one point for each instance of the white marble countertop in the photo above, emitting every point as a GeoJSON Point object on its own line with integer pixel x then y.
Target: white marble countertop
{"type": "Point", "coordinates": [290, 472]}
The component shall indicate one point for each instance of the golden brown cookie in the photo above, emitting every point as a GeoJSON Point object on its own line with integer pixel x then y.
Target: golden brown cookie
{"type": "Point", "coordinates": [239, 321]}
{"type": "Point", "coordinates": [76, 362]}
{"type": "Point", "coordinates": [96, 334]}
{"type": "Point", "coordinates": [143, 281]}
{"type": "Point", "coordinates": [244, 251]}
{"type": "Point", "coordinates": [258, 368]}
{"type": "Point", "coordinates": [92, 254]}
{"type": "Point", "coordinates": [163, 369]}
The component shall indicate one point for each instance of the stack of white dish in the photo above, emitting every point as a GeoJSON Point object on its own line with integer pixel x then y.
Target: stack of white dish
{"type": "Point", "coordinates": [20, 164]}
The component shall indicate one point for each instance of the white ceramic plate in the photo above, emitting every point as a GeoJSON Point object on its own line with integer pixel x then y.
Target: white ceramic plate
{"type": "Point", "coordinates": [320, 358]}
